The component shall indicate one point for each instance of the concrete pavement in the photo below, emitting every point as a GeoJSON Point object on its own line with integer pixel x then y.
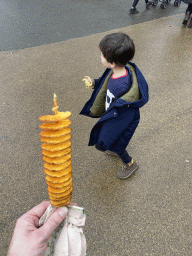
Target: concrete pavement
{"type": "Point", "coordinates": [147, 214]}
{"type": "Point", "coordinates": [30, 23]}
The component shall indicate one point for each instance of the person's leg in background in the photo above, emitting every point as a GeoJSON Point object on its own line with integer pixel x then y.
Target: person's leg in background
{"type": "Point", "coordinates": [187, 15]}
{"type": "Point", "coordinates": [189, 9]}
{"type": "Point", "coordinates": [133, 9]}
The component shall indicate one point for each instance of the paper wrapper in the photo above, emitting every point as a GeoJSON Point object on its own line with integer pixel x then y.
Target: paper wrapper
{"type": "Point", "coordinates": [68, 239]}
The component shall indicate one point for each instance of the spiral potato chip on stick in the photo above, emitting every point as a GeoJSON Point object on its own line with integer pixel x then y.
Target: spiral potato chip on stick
{"type": "Point", "coordinates": [56, 151]}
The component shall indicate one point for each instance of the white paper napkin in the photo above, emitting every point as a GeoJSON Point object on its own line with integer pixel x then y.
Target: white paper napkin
{"type": "Point", "coordinates": [68, 239]}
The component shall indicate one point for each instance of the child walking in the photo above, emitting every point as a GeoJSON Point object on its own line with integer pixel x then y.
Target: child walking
{"type": "Point", "coordinates": [118, 94]}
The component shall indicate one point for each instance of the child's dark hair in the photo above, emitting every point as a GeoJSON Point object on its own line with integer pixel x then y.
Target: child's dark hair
{"type": "Point", "coordinates": [118, 48]}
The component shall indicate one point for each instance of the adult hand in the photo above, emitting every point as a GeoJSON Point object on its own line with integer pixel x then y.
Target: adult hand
{"type": "Point", "coordinates": [28, 238]}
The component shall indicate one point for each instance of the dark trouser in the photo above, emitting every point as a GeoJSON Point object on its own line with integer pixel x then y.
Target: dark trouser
{"type": "Point", "coordinates": [136, 2]}
{"type": "Point", "coordinates": [124, 155]}
{"type": "Point", "coordinates": [189, 8]}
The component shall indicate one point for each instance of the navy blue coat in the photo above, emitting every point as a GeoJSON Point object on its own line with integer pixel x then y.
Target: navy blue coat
{"type": "Point", "coordinates": [116, 126]}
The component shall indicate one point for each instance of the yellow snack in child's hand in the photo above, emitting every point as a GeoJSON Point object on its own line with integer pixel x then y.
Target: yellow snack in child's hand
{"type": "Point", "coordinates": [87, 82]}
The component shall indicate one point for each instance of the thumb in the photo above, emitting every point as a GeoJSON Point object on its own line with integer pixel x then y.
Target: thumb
{"type": "Point", "coordinates": [54, 221]}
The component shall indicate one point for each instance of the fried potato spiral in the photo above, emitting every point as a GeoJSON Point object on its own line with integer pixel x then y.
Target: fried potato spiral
{"type": "Point", "coordinates": [56, 151]}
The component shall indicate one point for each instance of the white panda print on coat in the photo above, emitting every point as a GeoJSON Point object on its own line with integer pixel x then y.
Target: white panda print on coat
{"type": "Point", "coordinates": [109, 99]}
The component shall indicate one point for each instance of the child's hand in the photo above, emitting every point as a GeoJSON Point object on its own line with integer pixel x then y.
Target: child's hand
{"type": "Point", "coordinates": [87, 81]}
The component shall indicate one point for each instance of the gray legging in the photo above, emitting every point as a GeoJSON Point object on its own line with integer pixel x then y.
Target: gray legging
{"type": "Point", "coordinates": [136, 2]}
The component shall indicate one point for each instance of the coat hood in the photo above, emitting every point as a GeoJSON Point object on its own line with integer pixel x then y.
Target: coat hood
{"type": "Point", "coordinates": [136, 97]}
